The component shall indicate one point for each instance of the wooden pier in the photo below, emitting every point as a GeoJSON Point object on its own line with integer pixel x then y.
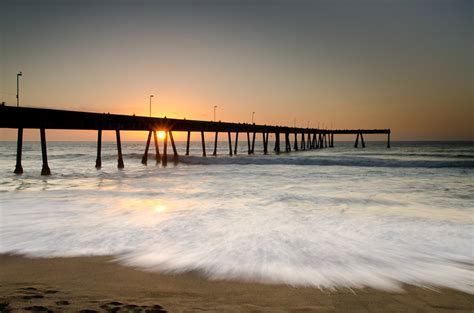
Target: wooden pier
{"type": "Point", "coordinates": [33, 118]}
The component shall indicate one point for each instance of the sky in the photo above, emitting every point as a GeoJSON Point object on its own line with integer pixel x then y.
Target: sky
{"type": "Point", "coordinates": [405, 65]}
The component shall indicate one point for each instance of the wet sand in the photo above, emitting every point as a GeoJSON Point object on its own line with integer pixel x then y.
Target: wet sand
{"type": "Point", "coordinates": [99, 284]}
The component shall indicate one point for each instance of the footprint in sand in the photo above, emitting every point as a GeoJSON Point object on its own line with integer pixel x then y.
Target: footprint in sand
{"type": "Point", "coordinates": [37, 308]}
{"type": "Point", "coordinates": [62, 302]}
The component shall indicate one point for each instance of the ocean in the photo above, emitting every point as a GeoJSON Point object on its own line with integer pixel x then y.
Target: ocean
{"type": "Point", "coordinates": [332, 218]}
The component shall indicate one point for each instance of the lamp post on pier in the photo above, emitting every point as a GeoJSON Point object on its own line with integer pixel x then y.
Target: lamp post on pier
{"type": "Point", "coordinates": [18, 88]}
{"type": "Point", "coordinates": [215, 107]}
{"type": "Point", "coordinates": [253, 116]}
{"type": "Point", "coordinates": [151, 96]}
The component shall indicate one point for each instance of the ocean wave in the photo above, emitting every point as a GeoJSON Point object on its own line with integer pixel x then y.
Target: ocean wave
{"type": "Point", "coordinates": [327, 250]}
{"type": "Point", "coordinates": [329, 161]}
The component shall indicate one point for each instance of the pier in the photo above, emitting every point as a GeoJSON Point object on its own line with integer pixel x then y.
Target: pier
{"type": "Point", "coordinates": [295, 138]}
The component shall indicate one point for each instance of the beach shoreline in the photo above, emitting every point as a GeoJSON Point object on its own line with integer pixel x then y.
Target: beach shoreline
{"type": "Point", "coordinates": [101, 284]}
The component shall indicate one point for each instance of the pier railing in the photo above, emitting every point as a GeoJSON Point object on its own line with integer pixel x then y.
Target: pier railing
{"type": "Point", "coordinates": [303, 138]}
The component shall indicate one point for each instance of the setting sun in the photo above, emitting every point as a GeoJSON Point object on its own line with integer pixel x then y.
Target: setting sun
{"type": "Point", "coordinates": [161, 134]}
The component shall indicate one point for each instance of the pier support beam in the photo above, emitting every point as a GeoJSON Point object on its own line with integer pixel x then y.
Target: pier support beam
{"type": "Point", "coordinates": [325, 140]}
{"type": "Point", "coordinates": [253, 143]}
{"type": "Point", "coordinates": [320, 141]}
{"type": "Point", "coordinates": [145, 154]}
{"type": "Point", "coordinates": [303, 144]}
{"type": "Point", "coordinates": [308, 142]}
{"type": "Point", "coordinates": [157, 149]}
{"type": "Point", "coordinates": [164, 158]}
{"type": "Point", "coordinates": [203, 144]}
{"type": "Point", "coordinates": [98, 160]}
{"type": "Point", "coordinates": [287, 142]}
{"type": "Point", "coordinates": [187, 143]}
{"type": "Point", "coordinates": [248, 143]}
{"type": "Point", "coordinates": [236, 142]}
{"type": "Point", "coordinates": [277, 143]}
{"type": "Point", "coordinates": [265, 143]}
{"type": "Point", "coordinates": [230, 143]}
{"type": "Point", "coordinates": [388, 140]}
{"type": "Point", "coordinates": [19, 149]}
{"type": "Point", "coordinates": [215, 144]}
{"type": "Point", "coordinates": [295, 146]}
{"type": "Point", "coordinates": [175, 152]}
{"type": "Point", "coordinates": [45, 169]}
{"type": "Point", "coordinates": [119, 150]}
{"type": "Point", "coordinates": [362, 140]}
{"type": "Point", "coordinates": [356, 145]}
{"type": "Point", "coordinates": [314, 142]}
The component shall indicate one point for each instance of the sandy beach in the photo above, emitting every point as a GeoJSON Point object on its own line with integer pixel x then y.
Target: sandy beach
{"type": "Point", "coordinates": [100, 284]}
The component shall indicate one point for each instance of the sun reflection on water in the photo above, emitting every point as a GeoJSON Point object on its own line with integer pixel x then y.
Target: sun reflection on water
{"type": "Point", "coordinates": [159, 208]}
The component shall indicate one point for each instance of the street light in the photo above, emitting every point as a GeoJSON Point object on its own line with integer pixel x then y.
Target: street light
{"type": "Point", "coordinates": [151, 96]}
{"type": "Point", "coordinates": [215, 107]}
{"type": "Point", "coordinates": [18, 88]}
{"type": "Point", "coordinates": [253, 114]}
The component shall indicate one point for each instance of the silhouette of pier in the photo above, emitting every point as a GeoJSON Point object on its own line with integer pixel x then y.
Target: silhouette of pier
{"type": "Point", "coordinates": [295, 138]}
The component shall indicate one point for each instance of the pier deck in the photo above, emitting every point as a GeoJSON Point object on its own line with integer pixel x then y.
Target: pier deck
{"type": "Point", "coordinates": [35, 118]}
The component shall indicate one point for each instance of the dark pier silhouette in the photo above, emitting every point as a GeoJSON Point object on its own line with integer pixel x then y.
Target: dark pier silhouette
{"type": "Point", "coordinates": [42, 119]}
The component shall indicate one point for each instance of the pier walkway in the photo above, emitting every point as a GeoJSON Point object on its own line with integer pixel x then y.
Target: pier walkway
{"type": "Point", "coordinates": [293, 138]}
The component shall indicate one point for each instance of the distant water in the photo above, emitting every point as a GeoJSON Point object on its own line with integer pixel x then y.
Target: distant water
{"type": "Point", "coordinates": [328, 218]}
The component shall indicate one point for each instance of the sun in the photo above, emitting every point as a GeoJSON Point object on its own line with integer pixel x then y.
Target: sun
{"type": "Point", "coordinates": [161, 134]}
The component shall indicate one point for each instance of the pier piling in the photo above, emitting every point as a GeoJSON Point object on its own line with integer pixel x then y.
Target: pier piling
{"type": "Point", "coordinates": [265, 142]}
{"type": "Point", "coordinates": [356, 145]}
{"type": "Point", "coordinates": [164, 158]}
{"type": "Point", "coordinates": [19, 149]}
{"type": "Point", "coordinates": [248, 142]}
{"type": "Point", "coordinates": [98, 160]}
{"type": "Point", "coordinates": [277, 142]}
{"type": "Point", "coordinates": [187, 143]}
{"type": "Point", "coordinates": [175, 152]}
{"type": "Point", "coordinates": [230, 143]}
{"type": "Point", "coordinates": [157, 149]}
{"type": "Point", "coordinates": [119, 150]}
{"type": "Point", "coordinates": [203, 144]}
{"type": "Point", "coordinates": [145, 154]}
{"type": "Point", "coordinates": [362, 140]}
{"type": "Point", "coordinates": [253, 143]}
{"type": "Point", "coordinates": [388, 140]}
{"type": "Point", "coordinates": [236, 142]}
{"type": "Point", "coordinates": [45, 169]}
{"type": "Point", "coordinates": [214, 153]}
{"type": "Point", "coordinates": [295, 146]}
